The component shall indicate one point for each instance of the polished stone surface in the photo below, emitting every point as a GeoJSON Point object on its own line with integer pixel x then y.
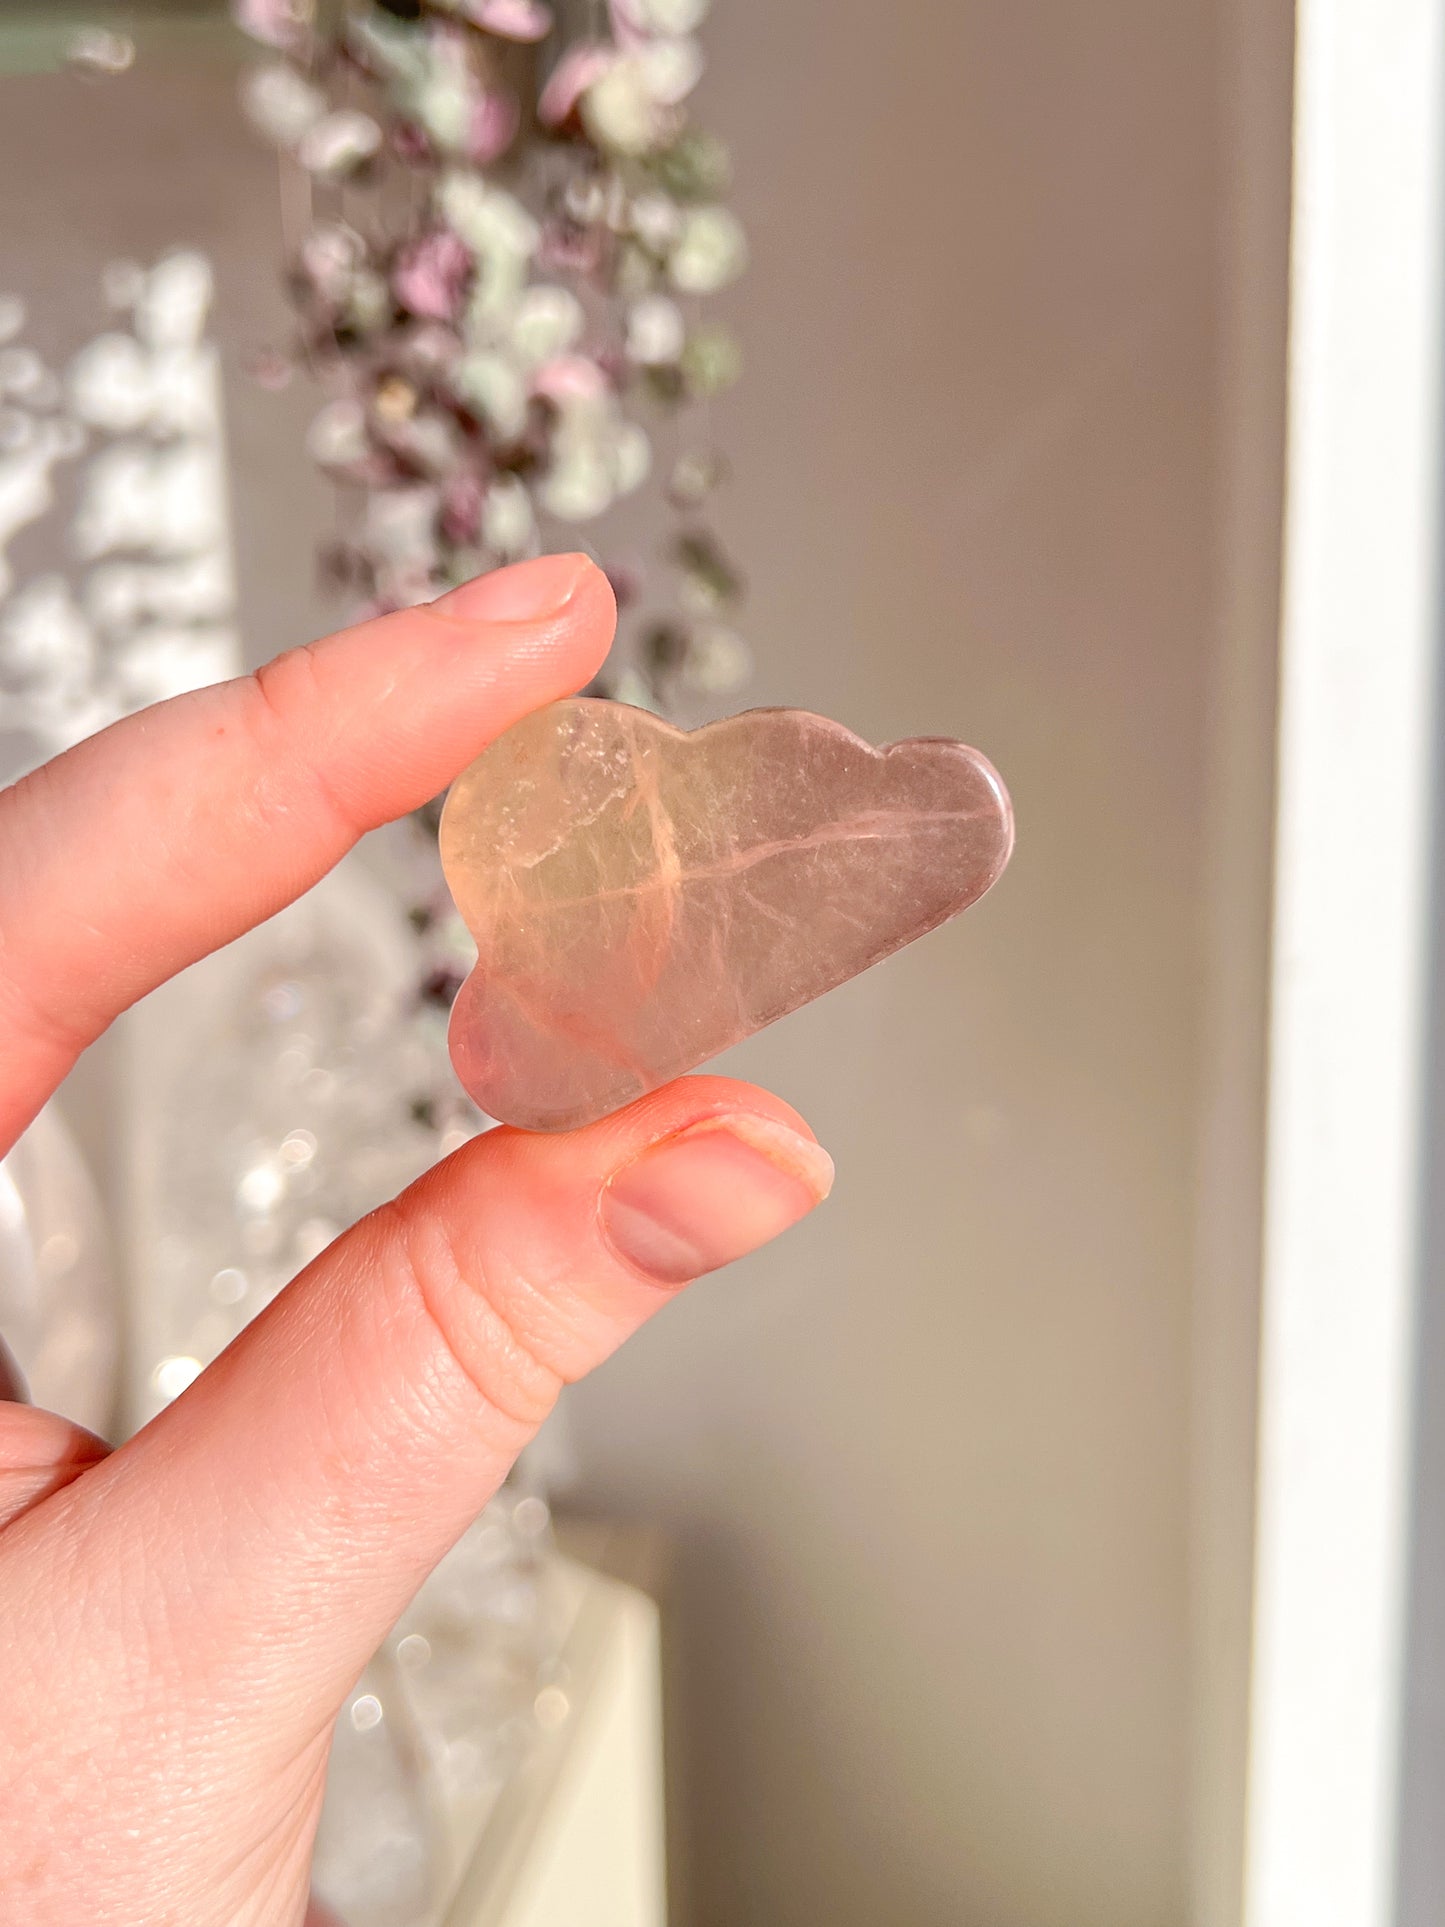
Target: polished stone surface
{"type": "Point", "coordinates": [643, 896]}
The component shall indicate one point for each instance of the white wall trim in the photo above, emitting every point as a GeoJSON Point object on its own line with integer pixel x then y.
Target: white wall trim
{"type": "Point", "coordinates": [1347, 1032]}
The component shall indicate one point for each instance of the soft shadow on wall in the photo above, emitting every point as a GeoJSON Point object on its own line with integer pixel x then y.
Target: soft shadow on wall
{"type": "Point", "coordinates": [926, 1462]}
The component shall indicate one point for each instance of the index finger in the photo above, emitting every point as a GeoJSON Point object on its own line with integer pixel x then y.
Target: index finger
{"type": "Point", "coordinates": [167, 835]}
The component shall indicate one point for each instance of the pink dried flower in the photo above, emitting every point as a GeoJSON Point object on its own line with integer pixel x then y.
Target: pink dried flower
{"type": "Point", "coordinates": [627, 29]}
{"type": "Point", "coordinates": [331, 262]}
{"type": "Point", "coordinates": [431, 275]}
{"type": "Point", "coordinates": [511, 19]}
{"type": "Point", "coordinates": [578, 69]}
{"type": "Point", "coordinates": [495, 119]}
{"type": "Point", "coordinates": [275, 23]}
{"type": "Point", "coordinates": [409, 143]}
{"type": "Point", "coordinates": [271, 370]}
{"type": "Point", "coordinates": [569, 378]}
{"type": "Point", "coordinates": [461, 509]}
{"type": "Point", "coordinates": [612, 365]}
{"type": "Point", "coordinates": [429, 347]}
{"type": "Point", "coordinates": [568, 249]}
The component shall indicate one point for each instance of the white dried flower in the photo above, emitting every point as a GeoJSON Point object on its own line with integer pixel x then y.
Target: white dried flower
{"type": "Point", "coordinates": [597, 455]}
{"type": "Point", "coordinates": [490, 221]}
{"type": "Point", "coordinates": [711, 251]}
{"type": "Point", "coordinates": [337, 437]}
{"type": "Point", "coordinates": [579, 486]}
{"type": "Point", "coordinates": [631, 457]}
{"type": "Point", "coordinates": [276, 23]}
{"type": "Point", "coordinates": [338, 144]}
{"type": "Point", "coordinates": [401, 524]}
{"type": "Point", "coordinates": [509, 528]}
{"type": "Point", "coordinates": [662, 16]}
{"type": "Point", "coordinates": [671, 69]}
{"type": "Point", "coordinates": [656, 220]}
{"type": "Point", "coordinates": [367, 302]}
{"type": "Point", "coordinates": [282, 105]}
{"type": "Point", "coordinates": [717, 662]}
{"type": "Point", "coordinates": [494, 387]}
{"type": "Point", "coordinates": [656, 331]}
{"type": "Point", "coordinates": [546, 320]}
{"type": "Point", "coordinates": [622, 112]}
{"type": "Point", "coordinates": [441, 98]}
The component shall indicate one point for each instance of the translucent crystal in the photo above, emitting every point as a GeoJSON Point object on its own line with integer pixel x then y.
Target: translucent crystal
{"type": "Point", "coordinates": [377, 1853]}
{"type": "Point", "coordinates": [642, 897]}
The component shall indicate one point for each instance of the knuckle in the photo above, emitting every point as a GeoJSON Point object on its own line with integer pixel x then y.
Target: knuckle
{"type": "Point", "coordinates": [475, 1317]}
{"type": "Point", "coordinates": [286, 687]}
{"type": "Point", "coordinates": [284, 710]}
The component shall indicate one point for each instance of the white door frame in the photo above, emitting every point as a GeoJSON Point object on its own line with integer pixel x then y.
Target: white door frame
{"type": "Point", "coordinates": [1347, 1029]}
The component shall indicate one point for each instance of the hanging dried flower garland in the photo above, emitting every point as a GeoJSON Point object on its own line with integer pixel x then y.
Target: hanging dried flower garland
{"type": "Point", "coordinates": [509, 230]}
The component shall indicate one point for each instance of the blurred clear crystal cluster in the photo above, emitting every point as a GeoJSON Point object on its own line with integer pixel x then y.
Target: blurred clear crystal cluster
{"type": "Point", "coordinates": [441, 1720]}
{"type": "Point", "coordinates": [300, 1095]}
{"type": "Point", "coordinates": [303, 1090]}
{"type": "Point", "coordinates": [505, 233]}
{"type": "Point", "coordinates": [146, 611]}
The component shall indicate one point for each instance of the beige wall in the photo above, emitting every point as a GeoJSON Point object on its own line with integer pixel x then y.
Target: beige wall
{"type": "Point", "coordinates": [957, 1631]}
{"type": "Point", "coordinates": [927, 1463]}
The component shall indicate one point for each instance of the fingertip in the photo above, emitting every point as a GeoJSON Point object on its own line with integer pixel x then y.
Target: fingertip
{"type": "Point", "coordinates": [719, 1165]}
{"type": "Point", "coordinates": [584, 626]}
{"type": "Point", "coordinates": [567, 602]}
{"type": "Point", "coordinates": [448, 679]}
{"type": "Point", "coordinates": [521, 592]}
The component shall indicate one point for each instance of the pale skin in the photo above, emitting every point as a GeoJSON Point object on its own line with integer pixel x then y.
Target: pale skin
{"type": "Point", "coordinates": [184, 1617]}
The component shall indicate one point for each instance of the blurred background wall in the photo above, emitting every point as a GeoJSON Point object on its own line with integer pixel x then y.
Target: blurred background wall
{"type": "Point", "coordinates": [959, 1475]}
{"type": "Point", "coordinates": [961, 1561]}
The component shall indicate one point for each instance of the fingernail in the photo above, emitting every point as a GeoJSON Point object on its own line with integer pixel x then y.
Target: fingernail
{"type": "Point", "coordinates": [525, 592]}
{"type": "Point", "coordinates": [712, 1193]}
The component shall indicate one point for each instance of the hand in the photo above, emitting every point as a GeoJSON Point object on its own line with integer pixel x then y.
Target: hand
{"type": "Point", "coordinates": [184, 1617]}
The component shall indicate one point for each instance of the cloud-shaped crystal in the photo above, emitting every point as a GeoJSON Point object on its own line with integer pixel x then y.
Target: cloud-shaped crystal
{"type": "Point", "coordinates": [643, 896]}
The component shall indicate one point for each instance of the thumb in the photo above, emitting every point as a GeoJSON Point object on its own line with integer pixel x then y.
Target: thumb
{"type": "Point", "coordinates": [278, 1516]}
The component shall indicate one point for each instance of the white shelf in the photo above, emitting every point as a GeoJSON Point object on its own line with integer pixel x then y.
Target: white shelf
{"type": "Point", "coordinates": [577, 1837]}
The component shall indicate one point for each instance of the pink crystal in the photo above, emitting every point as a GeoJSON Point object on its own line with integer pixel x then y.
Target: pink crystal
{"type": "Point", "coordinates": [642, 896]}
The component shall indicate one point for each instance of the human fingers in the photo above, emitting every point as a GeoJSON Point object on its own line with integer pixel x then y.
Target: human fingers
{"type": "Point", "coordinates": [169, 834]}
{"type": "Point", "coordinates": [244, 1554]}
{"type": "Point", "coordinates": [39, 1454]}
